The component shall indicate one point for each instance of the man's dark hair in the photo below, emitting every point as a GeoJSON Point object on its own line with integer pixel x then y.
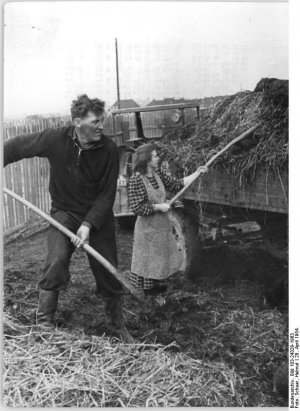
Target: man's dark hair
{"type": "Point", "coordinates": [84, 104]}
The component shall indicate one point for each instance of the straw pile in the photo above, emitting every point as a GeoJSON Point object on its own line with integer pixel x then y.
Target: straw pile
{"type": "Point", "coordinates": [209, 345]}
{"type": "Point", "coordinates": [50, 369]}
{"type": "Point", "coordinates": [203, 348]}
{"type": "Point", "coordinates": [194, 144]}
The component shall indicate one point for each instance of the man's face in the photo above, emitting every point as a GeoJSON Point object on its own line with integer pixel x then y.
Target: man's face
{"type": "Point", "coordinates": [90, 127]}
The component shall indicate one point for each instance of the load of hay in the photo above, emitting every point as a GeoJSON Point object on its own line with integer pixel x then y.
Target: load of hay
{"type": "Point", "coordinates": [192, 145]}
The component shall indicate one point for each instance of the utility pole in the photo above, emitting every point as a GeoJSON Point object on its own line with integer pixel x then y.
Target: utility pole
{"type": "Point", "coordinates": [117, 69]}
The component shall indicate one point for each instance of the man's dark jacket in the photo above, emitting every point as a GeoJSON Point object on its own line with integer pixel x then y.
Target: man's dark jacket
{"type": "Point", "coordinates": [82, 181]}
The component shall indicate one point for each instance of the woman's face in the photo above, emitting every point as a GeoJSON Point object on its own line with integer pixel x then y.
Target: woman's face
{"type": "Point", "coordinates": [154, 160]}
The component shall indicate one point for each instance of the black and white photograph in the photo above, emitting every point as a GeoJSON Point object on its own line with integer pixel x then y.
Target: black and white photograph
{"type": "Point", "coordinates": [145, 208]}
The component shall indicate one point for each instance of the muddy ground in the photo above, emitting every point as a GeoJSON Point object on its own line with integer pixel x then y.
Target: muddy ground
{"type": "Point", "coordinates": [219, 316]}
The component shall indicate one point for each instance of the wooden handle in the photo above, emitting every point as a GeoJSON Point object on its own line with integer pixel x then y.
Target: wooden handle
{"type": "Point", "coordinates": [210, 161]}
{"type": "Point", "coordinates": [85, 246]}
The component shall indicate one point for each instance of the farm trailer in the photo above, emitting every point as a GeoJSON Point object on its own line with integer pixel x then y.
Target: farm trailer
{"type": "Point", "coordinates": [127, 144]}
{"type": "Point", "coordinates": [213, 210]}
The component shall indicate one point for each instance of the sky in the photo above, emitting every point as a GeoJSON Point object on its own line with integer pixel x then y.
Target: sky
{"type": "Point", "coordinates": [54, 51]}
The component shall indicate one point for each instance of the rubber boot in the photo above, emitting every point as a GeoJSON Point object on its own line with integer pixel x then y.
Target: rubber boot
{"type": "Point", "coordinates": [47, 307]}
{"type": "Point", "coordinates": [115, 318]}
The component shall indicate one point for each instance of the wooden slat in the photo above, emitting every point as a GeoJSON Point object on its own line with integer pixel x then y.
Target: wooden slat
{"type": "Point", "coordinates": [42, 193]}
{"type": "Point", "coordinates": [35, 191]}
{"type": "Point", "coordinates": [46, 184]}
{"type": "Point", "coordinates": [17, 184]}
{"type": "Point", "coordinates": [26, 183]}
{"type": "Point", "coordinates": [8, 183]}
{"type": "Point", "coordinates": [5, 200]}
{"type": "Point", "coordinates": [10, 203]}
{"type": "Point", "coordinates": [44, 177]}
{"type": "Point", "coordinates": [39, 186]}
{"type": "Point", "coordinates": [266, 193]}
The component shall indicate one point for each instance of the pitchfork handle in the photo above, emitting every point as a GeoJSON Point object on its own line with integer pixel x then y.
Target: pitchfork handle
{"type": "Point", "coordinates": [71, 235]}
{"type": "Point", "coordinates": [235, 140]}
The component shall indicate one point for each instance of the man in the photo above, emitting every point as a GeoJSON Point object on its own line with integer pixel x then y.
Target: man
{"type": "Point", "coordinates": [84, 167]}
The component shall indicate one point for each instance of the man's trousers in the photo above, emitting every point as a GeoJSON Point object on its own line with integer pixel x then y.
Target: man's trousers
{"type": "Point", "coordinates": [56, 275]}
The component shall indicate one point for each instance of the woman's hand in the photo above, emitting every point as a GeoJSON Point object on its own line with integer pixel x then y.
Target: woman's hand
{"type": "Point", "coordinates": [188, 179]}
{"type": "Point", "coordinates": [202, 170]}
{"type": "Point", "coordinates": [163, 207]}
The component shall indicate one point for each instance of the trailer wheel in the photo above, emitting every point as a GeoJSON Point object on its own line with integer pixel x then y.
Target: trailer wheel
{"type": "Point", "coordinates": [276, 246]}
{"type": "Point", "coordinates": [275, 236]}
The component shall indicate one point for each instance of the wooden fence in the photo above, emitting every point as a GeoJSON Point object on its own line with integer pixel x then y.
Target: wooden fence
{"type": "Point", "coordinates": [30, 177]}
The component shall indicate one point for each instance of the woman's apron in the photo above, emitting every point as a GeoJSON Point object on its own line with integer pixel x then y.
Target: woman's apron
{"type": "Point", "coordinates": [155, 253]}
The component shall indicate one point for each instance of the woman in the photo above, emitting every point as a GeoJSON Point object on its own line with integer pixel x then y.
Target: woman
{"type": "Point", "coordinates": [154, 256]}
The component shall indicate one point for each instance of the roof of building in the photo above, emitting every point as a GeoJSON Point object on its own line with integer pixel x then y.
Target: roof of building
{"type": "Point", "coordinates": [129, 103]}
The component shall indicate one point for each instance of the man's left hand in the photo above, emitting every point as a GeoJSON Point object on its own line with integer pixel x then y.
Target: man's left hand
{"type": "Point", "coordinates": [83, 234]}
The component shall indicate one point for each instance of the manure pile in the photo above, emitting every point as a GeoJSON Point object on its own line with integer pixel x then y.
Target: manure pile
{"type": "Point", "coordinates": [192, 145]}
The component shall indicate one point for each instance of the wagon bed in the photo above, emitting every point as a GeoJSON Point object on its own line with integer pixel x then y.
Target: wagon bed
{"type": "Point", "coordinates": [268, 192]}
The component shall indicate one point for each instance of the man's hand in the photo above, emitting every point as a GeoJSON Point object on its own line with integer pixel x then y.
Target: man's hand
{"type": "Point", "coordinates": [83, 234]}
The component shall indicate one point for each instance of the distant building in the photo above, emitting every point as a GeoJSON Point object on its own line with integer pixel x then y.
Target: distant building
{"type": "Point", "coordinates": [34, 117]}
{"type": "Point", "coordinates": [124, 104]}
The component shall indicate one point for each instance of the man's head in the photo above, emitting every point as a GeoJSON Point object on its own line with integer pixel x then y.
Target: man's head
{"type": "Point", "coordinates": [88, 116]}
